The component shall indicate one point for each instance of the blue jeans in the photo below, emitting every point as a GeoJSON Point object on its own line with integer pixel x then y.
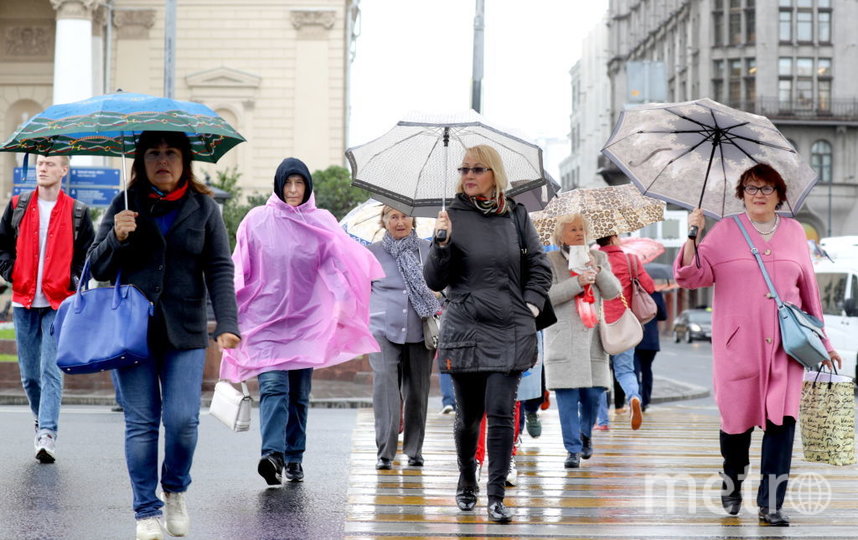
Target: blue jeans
{"type": "Point", "coordinates": [168, 386]}
{"type": "Point", "coordinates": [447, 395]}
{"type": "Point", "coordinates": [284, 399]}
{"type": "Point", "coordinates": [602, 416]}
{"type": "Point", "coordinates": [574, 421]}
{"type": "Point", "coordinates": [624, 371]}
{"type": "Point", "coordinates": [37, 361]}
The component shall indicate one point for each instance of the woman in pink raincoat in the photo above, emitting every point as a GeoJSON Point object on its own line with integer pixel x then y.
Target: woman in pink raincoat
{"type": "Point", "coordinates": [303, 289]}
{"type": "Point", "coordinates": [755, 382]}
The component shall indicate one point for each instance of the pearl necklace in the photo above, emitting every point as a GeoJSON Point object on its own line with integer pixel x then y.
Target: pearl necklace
{"type": "Point", "coordinates": [765, 233]}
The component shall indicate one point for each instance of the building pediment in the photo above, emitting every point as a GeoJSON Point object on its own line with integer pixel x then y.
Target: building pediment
{"type": "Point", "coordinates": [223, 77]}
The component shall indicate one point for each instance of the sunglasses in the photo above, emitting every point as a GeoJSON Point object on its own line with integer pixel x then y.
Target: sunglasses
{"type": "Point", "coordinates": [476, 170]}
{"type": "Point", "coordinates": [752, 190]}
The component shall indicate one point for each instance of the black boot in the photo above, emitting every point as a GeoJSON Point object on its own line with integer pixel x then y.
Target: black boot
{"type": "Point", "coordinates": [467, 489]}
{"type": "Point", "coordinates": [572, 461]}
{"type": "Point", "coordinates": [586, 447]}
{"type": "Point", "coordinates": [731, 494]}
{"type": "Point", "coordinates": [775, 519]}
{"type": "Point", "coordinates": [498, 512]}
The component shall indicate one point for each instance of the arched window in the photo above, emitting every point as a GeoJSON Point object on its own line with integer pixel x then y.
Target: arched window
{"type": "Point", "coordinates": [820, 160]}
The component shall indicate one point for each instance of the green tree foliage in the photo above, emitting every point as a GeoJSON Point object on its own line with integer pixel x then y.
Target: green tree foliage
{"type": "Point", "coordinates": [334, 191]}
{"type": "Point", "coordinates": [234, 209]}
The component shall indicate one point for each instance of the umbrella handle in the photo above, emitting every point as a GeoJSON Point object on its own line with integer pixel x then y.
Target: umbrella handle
{"type": "Point", "coordinates": [692, 232]}
{"type": "Point", "coordinates": [441, 236]}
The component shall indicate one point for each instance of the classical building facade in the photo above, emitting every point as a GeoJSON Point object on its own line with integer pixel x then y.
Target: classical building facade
{"type": "Point", "coordinates": [590, 119]}
{"type": "Point", "coordinates": [277, 70]}
{"type": "Point", "coordinates": [790, 60]}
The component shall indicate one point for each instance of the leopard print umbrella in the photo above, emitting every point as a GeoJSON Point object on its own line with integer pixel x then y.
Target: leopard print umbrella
{"type": "Point", "coordinates": [609, 210]}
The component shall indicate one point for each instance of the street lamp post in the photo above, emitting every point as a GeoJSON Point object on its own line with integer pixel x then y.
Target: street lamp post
{"type": "Point", "coordinates": [477, 77]}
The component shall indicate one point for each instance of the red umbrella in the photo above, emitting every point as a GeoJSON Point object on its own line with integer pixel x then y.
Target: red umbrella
{"type": "Point", "coordinates": [645, 248]}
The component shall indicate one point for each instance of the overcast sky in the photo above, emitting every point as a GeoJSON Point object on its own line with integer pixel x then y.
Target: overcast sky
{"type": "Point", "coordinates": [416, 55]}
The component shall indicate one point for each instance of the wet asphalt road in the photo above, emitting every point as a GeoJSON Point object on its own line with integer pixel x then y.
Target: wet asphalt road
{"type": "Point", "coordinates": [86, 494]}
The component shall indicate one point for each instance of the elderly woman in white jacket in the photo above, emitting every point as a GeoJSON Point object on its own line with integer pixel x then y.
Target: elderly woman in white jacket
{"type": "Point", "coordinates": [576, 365]}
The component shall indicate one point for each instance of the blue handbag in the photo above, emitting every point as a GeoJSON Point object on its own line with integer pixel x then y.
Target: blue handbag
{"type": "Point", "coordinates": [103, 328]}
{"type": "Point", "coordinates": [801, 332]}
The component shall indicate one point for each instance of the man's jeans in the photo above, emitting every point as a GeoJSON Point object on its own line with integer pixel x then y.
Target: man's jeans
{"type": "Point", "coordinates": [169, 384]}
{"type": "Point", "coordinates": [284, 400]}
{"type": "Point", "coordinates": [37, 360]}
{"type": "Point", "coordinates": [624, 371]}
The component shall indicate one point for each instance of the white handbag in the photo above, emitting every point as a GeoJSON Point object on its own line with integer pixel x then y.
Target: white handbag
{"type": "Point", "coordinates": [231, 406]}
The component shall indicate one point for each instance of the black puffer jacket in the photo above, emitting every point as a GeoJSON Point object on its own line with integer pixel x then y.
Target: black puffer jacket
{"type": "Point", "coordinates": [487, 326]}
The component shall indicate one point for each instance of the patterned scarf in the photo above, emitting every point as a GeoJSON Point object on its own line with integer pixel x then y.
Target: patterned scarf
{"type": "Point", "coordinates": [406, 254]}
{"type": "Point", "coordinates": [490, 205]}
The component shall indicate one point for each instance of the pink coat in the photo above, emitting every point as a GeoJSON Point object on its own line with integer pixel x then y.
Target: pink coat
{"type": "Point", "coordinates": [753, 378]}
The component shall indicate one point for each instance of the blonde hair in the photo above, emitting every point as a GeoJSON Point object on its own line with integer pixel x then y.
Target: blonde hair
{"type": "Point", "coordinates": [64, 160]}
{"type": "Point", "coordinates": [488, 156]}
{"type": "Point", "coordinates": [385, 212]}
{"type": "Point", "coordinates": [562, 221]}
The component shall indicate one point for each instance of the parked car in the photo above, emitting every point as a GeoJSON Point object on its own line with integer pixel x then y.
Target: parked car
{"type": "Point", "coordinates": [693, 324]}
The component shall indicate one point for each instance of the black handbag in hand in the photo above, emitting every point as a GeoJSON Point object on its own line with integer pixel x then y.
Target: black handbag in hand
{"type": "Point", "coordinates": [546, 316]}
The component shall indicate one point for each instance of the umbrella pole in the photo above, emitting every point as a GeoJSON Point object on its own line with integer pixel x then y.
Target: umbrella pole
{"type": "Point", "coordinates": [441, 234]}
{"type": "Point", "coordinates": [716, 141]}
{"type": "Point", "coordinates": [124, 175]}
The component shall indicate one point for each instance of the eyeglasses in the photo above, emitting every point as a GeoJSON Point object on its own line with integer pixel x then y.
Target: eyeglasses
{"type": "Point", "coordinates": [476, 170]}
{"type": "Point", "coordinates": [752, 190]}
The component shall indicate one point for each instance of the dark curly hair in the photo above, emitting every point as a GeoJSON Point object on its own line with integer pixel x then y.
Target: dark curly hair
{"type": "Point", "coordinates": [764, 173]}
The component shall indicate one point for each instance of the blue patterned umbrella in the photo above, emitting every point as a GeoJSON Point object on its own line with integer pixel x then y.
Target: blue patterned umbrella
{"type": "Point", "coordinates": [109, 125]}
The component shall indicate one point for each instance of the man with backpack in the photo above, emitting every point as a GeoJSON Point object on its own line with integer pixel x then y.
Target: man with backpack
{"type": "Point", "coordinates": [44, 238]}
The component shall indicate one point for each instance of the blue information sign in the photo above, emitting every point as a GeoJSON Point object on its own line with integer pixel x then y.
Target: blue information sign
{"type": "Point", "coordinates": [94, 186]}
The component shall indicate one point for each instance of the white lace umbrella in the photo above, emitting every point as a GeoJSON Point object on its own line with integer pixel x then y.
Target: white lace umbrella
{"type": "Point", "coordinates": [692, 154]}
{"type": "Point", "coordinates": [363, 223]}
{"type": "Point", "coordinates": [412, 166]}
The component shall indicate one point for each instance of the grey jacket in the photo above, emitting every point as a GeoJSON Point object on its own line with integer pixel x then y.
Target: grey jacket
{"type": "Point", "coordinates": [175, 270]}
{"type": "Point", "coordinates": [574, 357]}
{"type": "Point", "coordinates": [487, 326]}
{"type": "Point", "coordinates": [391, 314]}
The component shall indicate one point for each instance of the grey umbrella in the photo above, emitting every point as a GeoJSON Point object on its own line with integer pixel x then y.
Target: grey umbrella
{"type": "Point", "coordinates": [659, 271]}
{"type": "Point", "coordinates": [691, 154]}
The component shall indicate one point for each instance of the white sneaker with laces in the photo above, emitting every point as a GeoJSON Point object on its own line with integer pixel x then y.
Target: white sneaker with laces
{"type": "Point", "coordinates": [512, 475]}
{"type": "Point", "coordinates": [149, 529]}
{"type": "Point", "coordinates": [45, 448]}
{"type": "Point", "coordinates": [176, 514]}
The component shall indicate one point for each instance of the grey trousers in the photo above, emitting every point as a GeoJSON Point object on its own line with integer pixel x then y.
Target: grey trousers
{"type": "Point", "coordinates": [400, 384]}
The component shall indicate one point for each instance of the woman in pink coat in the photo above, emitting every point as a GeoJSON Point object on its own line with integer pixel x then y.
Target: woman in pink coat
{"type": "Point", "coordinates": [755, 382]}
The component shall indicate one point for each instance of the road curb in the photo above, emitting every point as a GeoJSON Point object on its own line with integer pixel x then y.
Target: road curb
{"type": "Point", "coordinates": [665, 390]}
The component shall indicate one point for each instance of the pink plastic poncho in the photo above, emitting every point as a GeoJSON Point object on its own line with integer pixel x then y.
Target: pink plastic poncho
{"type": "Point", "coordinates": [302, 287]}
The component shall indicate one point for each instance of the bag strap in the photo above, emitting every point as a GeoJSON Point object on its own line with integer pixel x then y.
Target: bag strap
{"type": "Point", "coordinates": [522, 246]}
{"type": "Point", "coordinates": [759, 259]}
{"type": "Point", "coordinates": [629, 263]}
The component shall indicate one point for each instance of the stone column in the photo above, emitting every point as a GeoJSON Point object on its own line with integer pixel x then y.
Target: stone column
{"type": "Point", "coordinates": [73, 53]}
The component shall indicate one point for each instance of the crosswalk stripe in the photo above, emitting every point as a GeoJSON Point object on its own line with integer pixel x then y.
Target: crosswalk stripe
{"type": "Point", "coordinates": [658, 482]}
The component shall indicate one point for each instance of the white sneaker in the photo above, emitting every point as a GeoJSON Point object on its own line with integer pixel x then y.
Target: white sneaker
{"type": "Point", "coordinates": [149, 529]}
{"type": "Point", "coordinates": [45, 448]}
{"type": "Point", "coordinates": [176, 514]}
{"type": "Point", "coordinates": [512, 475]}
{"type": "Point", "coordinates": [447, 409]}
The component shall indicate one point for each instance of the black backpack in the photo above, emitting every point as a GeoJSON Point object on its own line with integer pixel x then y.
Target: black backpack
{"type": "Point", "coordinates": [20, 202]}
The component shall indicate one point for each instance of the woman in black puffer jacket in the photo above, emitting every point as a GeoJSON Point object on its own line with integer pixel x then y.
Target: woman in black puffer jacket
{"type": "Point", "coordinates": [488, 331]}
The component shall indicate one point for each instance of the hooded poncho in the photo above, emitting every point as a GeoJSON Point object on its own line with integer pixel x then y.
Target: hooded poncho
{"type": "Point", "coordinates": [302, 287]}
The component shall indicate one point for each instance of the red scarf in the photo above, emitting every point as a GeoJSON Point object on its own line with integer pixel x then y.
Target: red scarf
{"type": "Point", "coordinates": [586, 304]}
{"type": "Point", "coordinates": [174, 195]}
